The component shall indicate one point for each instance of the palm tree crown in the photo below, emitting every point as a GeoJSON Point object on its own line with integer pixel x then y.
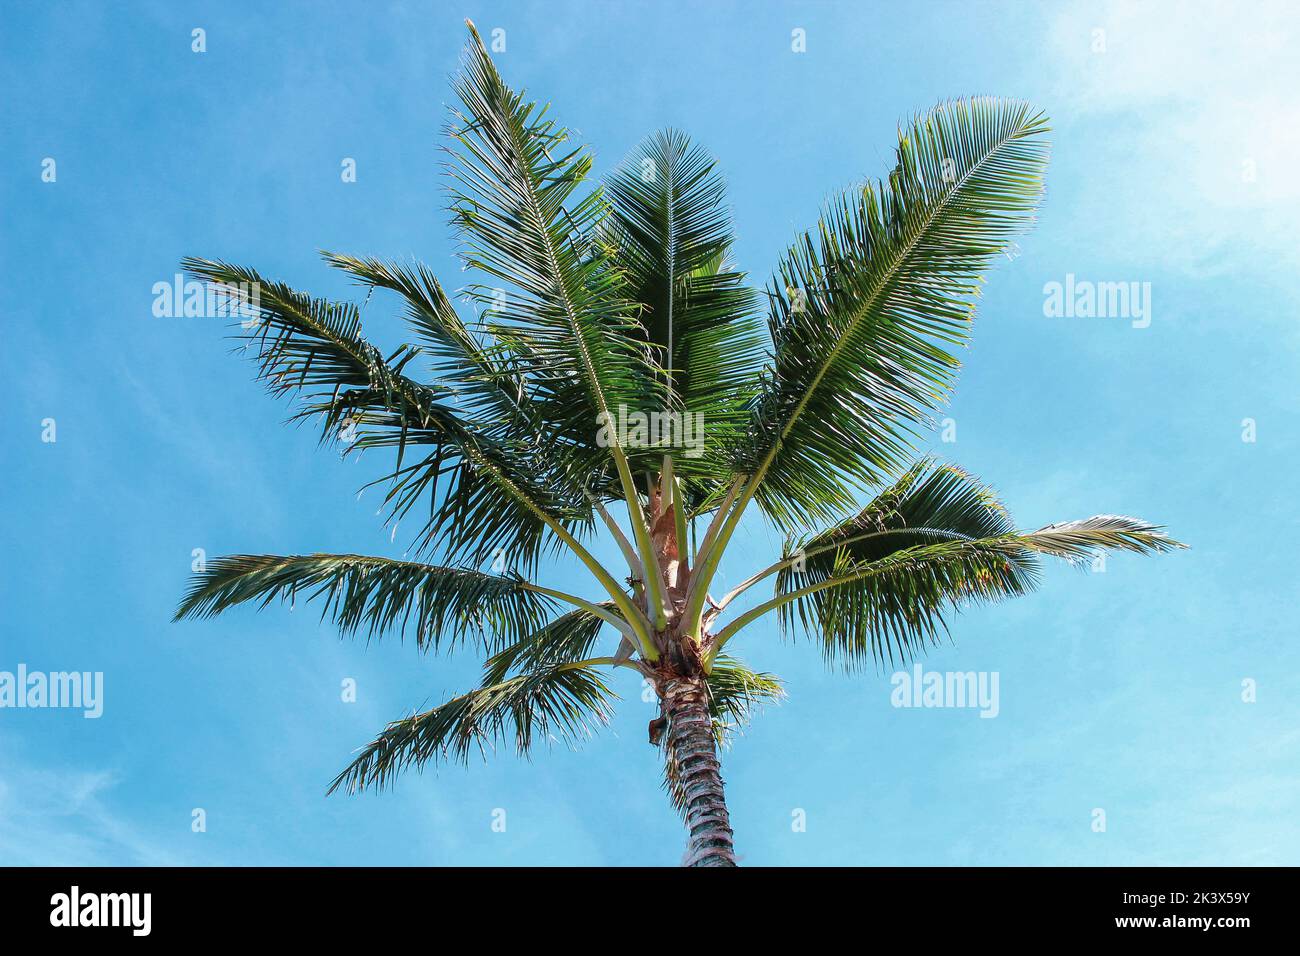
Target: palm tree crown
{"type": "Point", "coordinates": [619, 362]}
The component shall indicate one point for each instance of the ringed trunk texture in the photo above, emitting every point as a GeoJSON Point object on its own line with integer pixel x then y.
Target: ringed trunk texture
{"type": "Point", "coordinates": [691, 740]}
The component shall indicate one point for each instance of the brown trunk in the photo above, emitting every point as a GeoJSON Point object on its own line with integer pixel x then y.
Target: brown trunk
{"type": "Point", "coordinates": [692, 745]}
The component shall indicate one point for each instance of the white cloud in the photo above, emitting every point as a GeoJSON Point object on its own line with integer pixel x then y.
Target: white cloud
{"type": "Point", "coordinates": [1194, 105]}
{"type": "Point", "coordinates": [57, 816]}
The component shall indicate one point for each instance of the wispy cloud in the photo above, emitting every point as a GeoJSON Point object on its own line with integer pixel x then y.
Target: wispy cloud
{"type": "Point", "coordinates": [56, 815]}
{"type": "Point", "coordinates": [1198, 105]}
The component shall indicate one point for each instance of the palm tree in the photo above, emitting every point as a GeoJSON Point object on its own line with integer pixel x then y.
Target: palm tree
{"type": "Point", "coordinates": [620, 362]}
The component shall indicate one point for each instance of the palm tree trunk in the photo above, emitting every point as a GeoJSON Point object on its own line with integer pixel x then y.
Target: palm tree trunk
{"type": "Point", "coordinates": [691, 742]}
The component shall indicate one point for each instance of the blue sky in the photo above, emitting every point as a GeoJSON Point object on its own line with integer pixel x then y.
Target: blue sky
{"type": "Point", "coordinates": [1174, 152]}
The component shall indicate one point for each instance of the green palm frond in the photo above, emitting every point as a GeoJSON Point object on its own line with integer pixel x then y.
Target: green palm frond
{"type": "Point", "coordinates": [562, 311]}
{"type": "Point", "coordinates": [567, 701]}
{"type": "Point", "coordinates": [486, 494]}
{"type": "Point", "coordinates": [483, 381]}
{"type": "Point", "coordinates": [888, 608]}
{"type": "Point", "coordinates": [570, 637]}
{"type": "Point", "coordinates": [315, 348]}
{"type": "Point", "coordinates": [898, 608]}
{"type": "Point", "coordinates": [671, 235]}
{"type": "Point", "coordinates": [484, 502]}
{"type": "Point", "coordinates": [930, 501]}
{"type": "Point", "coordinates": [735, 692]}
{"type": "Point", "coordinates": [376, 595]}
{"type": "Point", "coordinates": [866, 310]}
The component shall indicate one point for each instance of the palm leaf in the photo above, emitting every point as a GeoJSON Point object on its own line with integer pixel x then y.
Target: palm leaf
{"type": "Point", "coordinates": [671, 234]}
{"type": "Point", "coordinates": [866, 310]}
{"type": "Point", "coordinates": [316, 348]}
{"type": "Point", "coordinates": [376, 595]}
{"type": "Point", "coordinates": [475, 370]}
{"type": "Point", "coordinates": [930, 501]}
{"type": "Point", "coordinates": [735, 692]}
{"type": "Point", "coordinates": [562, 311]}
{"type": "Point", "coordinates": [486, 381]}
{"type": "Point", "coordinates": [890, 607]}
{"type": "Point", "coordinates": [564, 700]}
{"type": "Point", "coordinates": [570, 637]}
{"type": "Point", "coordinates": [486, 494]}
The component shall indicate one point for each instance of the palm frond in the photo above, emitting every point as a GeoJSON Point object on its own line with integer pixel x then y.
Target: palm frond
{"type": "Point", "coordinates": [564, 700]}
{"type": "Point", "coordinates": [930, 501]}
{"type": "Point", "coordinates": [376, 595]}
{"type": "Point", "coordinates": [888, 608]}
{"type": "Point", "coordinates": [1080, 542]}
{"type": "Point", "coordinates": [736, 691]}
{"type": "Point", "coordinates": [671, 234]}
{"type": "Point", "coordinates": [485, 492]}
{"type": "Point", "coordinates": [562, 311]}
{"type": "Point", "coordinates": [316, 348]}
{"type": "Point", "coordinates": [866, 310]}
{"type": "Point", "coordinates": [476, 371]}
{"type": "Point", "coordinates": [570, 637]}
